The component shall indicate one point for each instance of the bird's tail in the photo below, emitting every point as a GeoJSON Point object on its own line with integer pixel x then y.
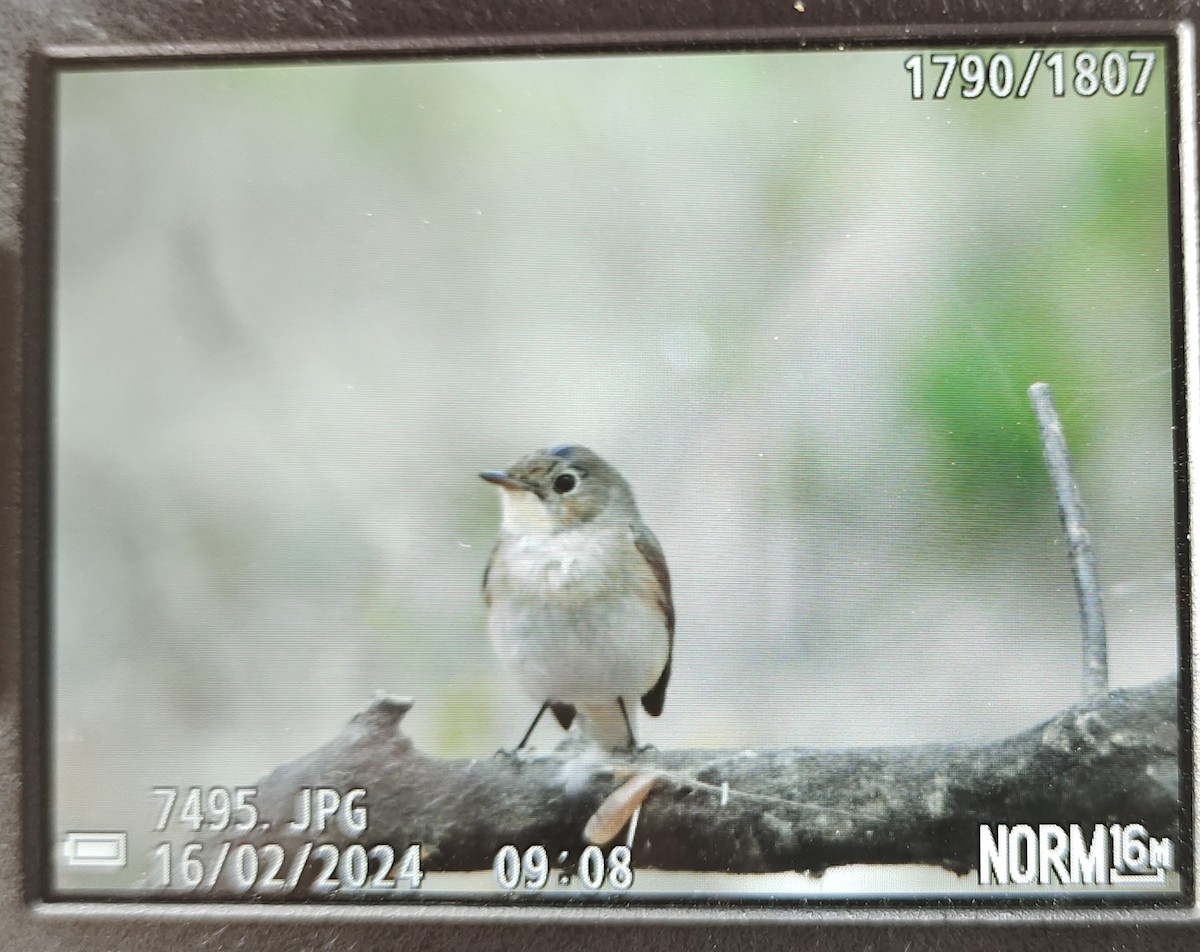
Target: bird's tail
{"type": "Point", "coordinates": [607, 727]}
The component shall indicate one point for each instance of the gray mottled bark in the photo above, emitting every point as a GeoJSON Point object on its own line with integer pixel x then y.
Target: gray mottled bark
{"type": "Point", "coordinates": [1109, 759]}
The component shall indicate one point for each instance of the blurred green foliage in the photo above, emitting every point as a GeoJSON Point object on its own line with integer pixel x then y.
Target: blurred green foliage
{"type": "Point", "coordinates": [971, 387]}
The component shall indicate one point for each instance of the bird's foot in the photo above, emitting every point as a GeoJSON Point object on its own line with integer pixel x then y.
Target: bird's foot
{"type": "Point", "coordinates": [634, 751]}
{"type": "Point", "coordinates": [637, 750]}
{"type": "Point", "coordinates": [517, 756]}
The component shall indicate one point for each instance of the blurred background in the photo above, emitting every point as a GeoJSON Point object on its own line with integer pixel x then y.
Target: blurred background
{"type": "Point", "coordinates": [298, 308]}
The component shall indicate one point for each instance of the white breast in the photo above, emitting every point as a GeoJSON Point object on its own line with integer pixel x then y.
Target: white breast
{"type": "Point", "coordinates": [574, 615]}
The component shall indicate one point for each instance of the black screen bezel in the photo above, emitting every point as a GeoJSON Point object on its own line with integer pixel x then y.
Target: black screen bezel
{"type": "Point", "coordinates": [44, 64]}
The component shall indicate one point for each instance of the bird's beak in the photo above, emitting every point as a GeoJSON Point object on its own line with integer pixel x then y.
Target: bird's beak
{"type": "Point", "coordinates": [504, 481]}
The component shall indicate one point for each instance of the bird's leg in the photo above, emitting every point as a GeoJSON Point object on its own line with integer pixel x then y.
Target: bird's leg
{"type": "Point", "coordinates": [634, 748]}
{"type": "Point", "coordinates": [529, 733]}
{"type": "Point", "coordinates": [628, 725]}
{"type": "Point", "coordinates": [515, 753]}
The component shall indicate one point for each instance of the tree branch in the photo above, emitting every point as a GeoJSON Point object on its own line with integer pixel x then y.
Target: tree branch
{"type": "Point", "coordinates": [1105, 760]}
{"type": "Point", "coordinates": [1079, 543]}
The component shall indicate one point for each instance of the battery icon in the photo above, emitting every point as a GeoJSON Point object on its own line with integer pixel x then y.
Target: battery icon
{"type": "Point", "coordinates": [97, 850]}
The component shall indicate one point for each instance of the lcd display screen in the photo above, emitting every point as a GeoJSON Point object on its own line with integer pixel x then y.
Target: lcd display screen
{"type": "Point", "coordinates": [816, 597]}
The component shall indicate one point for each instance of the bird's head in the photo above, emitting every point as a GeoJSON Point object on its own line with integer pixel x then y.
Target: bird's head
{"type": "Point", "coordinates": [559, 488]}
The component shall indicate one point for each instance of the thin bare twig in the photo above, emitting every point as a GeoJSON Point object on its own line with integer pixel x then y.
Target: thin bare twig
{"type": "Point", "coordinates": [1079, 543]}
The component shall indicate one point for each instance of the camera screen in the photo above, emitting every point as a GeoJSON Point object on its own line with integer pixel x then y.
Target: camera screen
{"type": "Point", "coordinates": [677, 476]}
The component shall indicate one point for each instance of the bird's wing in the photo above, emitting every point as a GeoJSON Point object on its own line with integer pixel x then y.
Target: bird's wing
{"type": "Point", "coordinates": [563, 713]}
{"type": "Point", "coordinates": [652, 552]}
{"type": "Point", "coordinates": [487, 570]}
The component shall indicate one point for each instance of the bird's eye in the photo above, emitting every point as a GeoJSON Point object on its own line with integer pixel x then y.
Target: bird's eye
{"type": "Point", "coordinates": [564, 483]}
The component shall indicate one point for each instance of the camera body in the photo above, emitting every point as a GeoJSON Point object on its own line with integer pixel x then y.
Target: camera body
{"type": "Point", "coordinates": [884, 317]}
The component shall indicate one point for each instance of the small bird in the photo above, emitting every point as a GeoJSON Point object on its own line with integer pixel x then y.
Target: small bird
{"type": "Point", "coordinates": [578, 595]}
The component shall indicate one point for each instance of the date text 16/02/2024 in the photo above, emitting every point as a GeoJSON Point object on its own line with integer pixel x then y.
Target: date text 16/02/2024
{"type": "Point", "coordinates": [273, 868]}
{"type": "Point", "coordinates": [278, 869]}
{"type": "Point", "coordinates": [1082, 73]}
